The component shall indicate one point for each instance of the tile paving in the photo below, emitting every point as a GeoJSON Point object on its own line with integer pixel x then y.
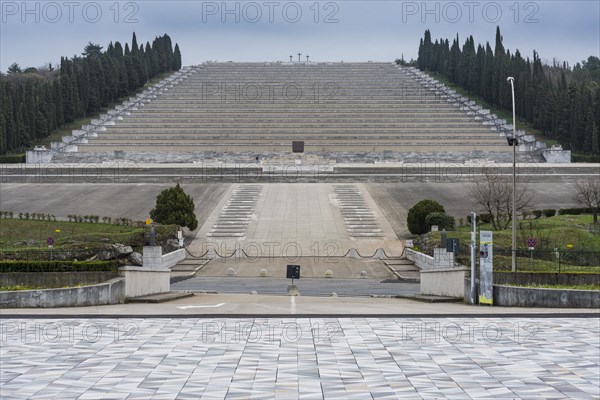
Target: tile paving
{"type": "Point", "coordinates": [304, 358]}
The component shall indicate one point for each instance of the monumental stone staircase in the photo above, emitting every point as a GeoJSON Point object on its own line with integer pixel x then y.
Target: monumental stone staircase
{"type": "Point", "coordinates": [347, 112]}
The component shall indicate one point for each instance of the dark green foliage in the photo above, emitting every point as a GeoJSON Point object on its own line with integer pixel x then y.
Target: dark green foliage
{"type": "Point", "coordinates": [538, 214]}
{"type": "Point", "coordinates": [174, 207]}
{"type": "Point", "coordinates": [441, 219]}
{"type": "Point", "coordinates": [575, 211]}
{"type": "Point", "coordinates": [55, 266]}
{"type": "Point", "coordinates": [481, 219]}
{"type": "Point", "coordinates": [16, 159]}
{"type": "Point", "coordinates": [562, 102]}
{"type": "Point", "coordinates": [549, 212]}
{"type": "Point", "coordinates": [485, 218]}
{"type": "Point", "coordinates": [418, 213]}
{"type": "Point", "coordinates": [35, 102]}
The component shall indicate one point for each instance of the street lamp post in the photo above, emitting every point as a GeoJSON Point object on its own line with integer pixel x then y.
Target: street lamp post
{"type": "Point", "coordinates": [514, 179]}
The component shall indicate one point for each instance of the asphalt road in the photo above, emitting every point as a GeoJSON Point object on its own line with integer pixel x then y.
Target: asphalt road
{"type": "Point", "coordinates": [308, 287]}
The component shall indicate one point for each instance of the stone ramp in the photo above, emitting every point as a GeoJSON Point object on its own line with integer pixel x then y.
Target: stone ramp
{"type": "Point", "coordinates": [340, 267]}
{"type": "Point", "coordinates": [296, 220]}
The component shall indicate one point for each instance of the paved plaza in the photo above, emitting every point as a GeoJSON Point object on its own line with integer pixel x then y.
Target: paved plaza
{"type": "Point", "coordinates": [303, 358]}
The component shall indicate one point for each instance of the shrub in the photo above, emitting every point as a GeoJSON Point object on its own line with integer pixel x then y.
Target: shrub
{"type": "Point", "coordinates": [485, 218]}
{"type": "Point", "coordinates": [481, 219]}
{"type": "Point", "coordinates": [574, 211]}
{"type": "Point", "coordinates": [12, 159]}
{"type": "Point", "coordinates": [175, 207]}
{"type": "Point", "coordinates": [56, 266]}
{"type": "Point", "coordinates": [418, 213]}
{"type": "Point", "coordinates": [549, 212]}
{"type": "Point", "coordinates": [442, 220]}
{"type": "Point", "coordinates": [537, 213]}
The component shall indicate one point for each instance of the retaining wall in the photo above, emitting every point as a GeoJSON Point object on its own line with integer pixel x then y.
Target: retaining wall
{"type": "Point", "coordinates": [111, 292]}
{"type": "Point", "coordinates": [55, 279]}
{"type": "Point", "coordinates": [444, 281]}
{"type": "Point", "coordinates": [545, 278]}
{"type": "Point", "coordinates": [154, 258]}
{"type": "Point", "coordinates": [142, 281]}
{"type": "Point", "coordinates": [513, 296]}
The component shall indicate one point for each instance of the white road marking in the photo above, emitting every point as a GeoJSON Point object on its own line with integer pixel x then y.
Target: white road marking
{"type": "Point", "coordinates": [207, 306]}
{"type": "Point", "coordinates": [292, 305]}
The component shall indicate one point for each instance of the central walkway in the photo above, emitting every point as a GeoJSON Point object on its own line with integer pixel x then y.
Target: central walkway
{"type": "Point", "coordinates": [297, 220]}
{"type": "Point", "coordinates": [304, 358]}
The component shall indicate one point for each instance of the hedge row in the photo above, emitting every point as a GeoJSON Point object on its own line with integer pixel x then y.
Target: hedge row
{"type": "Point", "coordinates": [575, 211]}
{"type": "Point", "coordinates": [584, 158]}
{"type": "Point", "coordinates": [13, 159]}
{"type": "Point", "coordinates": [547, 212]}
{"type": "Point", "coordinates": [56, 266]}
{"type": "Point", "coordinates": [481, 219]}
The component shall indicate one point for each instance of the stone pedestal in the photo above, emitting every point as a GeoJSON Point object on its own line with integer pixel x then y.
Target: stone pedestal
{"type": "Point", "coordinates": [142, 281]}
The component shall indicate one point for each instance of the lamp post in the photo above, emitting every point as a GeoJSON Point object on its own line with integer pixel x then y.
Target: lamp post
{"type": "Point", "coordinates": [473, 245]}
{"type": "Point", "coordinates": [514, 179]}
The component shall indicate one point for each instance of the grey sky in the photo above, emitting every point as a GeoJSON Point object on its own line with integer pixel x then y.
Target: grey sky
{"type": "Point", "coordinates": [267, 30]}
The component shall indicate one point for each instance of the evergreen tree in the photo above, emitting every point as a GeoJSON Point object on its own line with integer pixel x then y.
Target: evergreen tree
{"type": "Point", "coordinates": [175, 207]}
{"type": "Point", "coordinates": [176, 58]}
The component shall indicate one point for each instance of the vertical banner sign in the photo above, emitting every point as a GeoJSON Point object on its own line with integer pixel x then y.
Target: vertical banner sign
{"type": "Point", "coordinates": [486, 268]}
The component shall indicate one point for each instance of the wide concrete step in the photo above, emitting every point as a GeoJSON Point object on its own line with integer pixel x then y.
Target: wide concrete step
{"type": "Point", "coordinates": [349, 108]}
{"type": "Point", "coordinates": [286, 148]}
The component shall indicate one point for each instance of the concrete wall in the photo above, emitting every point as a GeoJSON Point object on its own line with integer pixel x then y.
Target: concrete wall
{"type": "Point", "coordinates": [111, 292]}
{"type": "Point", "coordinates": [55, 279]}
{"type": "Point", "coordinates": [444, 282]}
{"type": "Point", "coordinates": [38, 157]}
{"type": "Point", "coordinates": [557, 156]}
{"type": "Point", "coordinates": [142, 281]}
{"type": "Point", "coordinates": [154, 259]}
{"type": "Point", "coordinates": [512, 296]}
{"type": "Point", "coordinates": [545, 278]}
{"type": "Point", "coordinates": [441, 259]}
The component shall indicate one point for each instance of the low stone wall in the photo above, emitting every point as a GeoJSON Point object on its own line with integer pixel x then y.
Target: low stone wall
{"type": "Point", "coordinates": [441, 259]}
{"type": "Point", "coordinates": [142, 281]}
{"type": "Point", "coordinates": [38, 157]}
{"type": "Point", "coordinates": [154, 258]}
{"type": "Point", "coordinates": [514, 296]}
{"type": "Point", "coordinates": [545, 278]}
{"type": "Point", "coordinates": [444, 282]}
{"type": "Point", "coordinates": [55, 279]}
{"type": "Point", "coordinates": [111, 292]}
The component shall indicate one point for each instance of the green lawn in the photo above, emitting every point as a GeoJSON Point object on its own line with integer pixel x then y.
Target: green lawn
{"type": "Point", "coordinates": [18, 287]}
{"type": "Point", "coordinates": [18, 234]}
{"type": "Point", "coordinates": [552, 233]}
{"type": "Point", "coordinates": [576, 287]}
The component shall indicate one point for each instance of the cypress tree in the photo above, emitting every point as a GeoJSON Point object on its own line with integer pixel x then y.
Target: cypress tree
{"type": "Point", "coordinates": [176, 58]}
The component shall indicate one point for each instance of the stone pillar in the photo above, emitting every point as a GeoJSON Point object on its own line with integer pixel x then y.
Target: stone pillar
{"type": "Point", "coordinates": [152, 257]}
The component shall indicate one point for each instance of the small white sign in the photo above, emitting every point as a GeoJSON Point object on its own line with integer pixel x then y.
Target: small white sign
{"type": "Point", "coordinates": [434, 228]}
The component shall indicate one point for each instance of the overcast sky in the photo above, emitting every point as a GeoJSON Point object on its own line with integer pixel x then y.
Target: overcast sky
{"type": "Point", "coordinates": [35, 33]}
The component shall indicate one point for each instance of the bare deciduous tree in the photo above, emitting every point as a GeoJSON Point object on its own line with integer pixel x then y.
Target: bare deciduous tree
{"type": "Point", "coordinates": [588, 195]}
{"type": "Point", "coordinates": [493, 195]}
